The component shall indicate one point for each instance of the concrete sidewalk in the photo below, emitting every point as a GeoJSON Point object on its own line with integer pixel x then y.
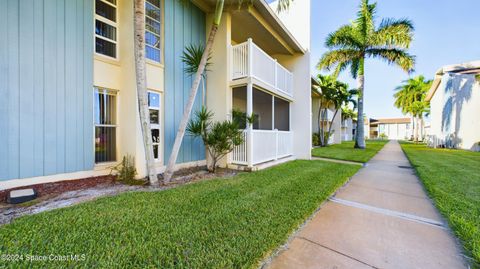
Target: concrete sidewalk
{"type": "Point", "coordinates": [381, 219]}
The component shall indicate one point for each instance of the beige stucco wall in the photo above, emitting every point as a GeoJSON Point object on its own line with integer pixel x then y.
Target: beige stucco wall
{"type": "Point", "coordinates": [119, 75]}
{"type": "Point", "coordinates": [455, 112]}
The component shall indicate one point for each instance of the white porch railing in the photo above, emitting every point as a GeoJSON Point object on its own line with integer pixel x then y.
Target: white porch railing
{"type": "Point", "coordinates": [267, 145]}
{"type": "Point", "coordinates": [248, 60]}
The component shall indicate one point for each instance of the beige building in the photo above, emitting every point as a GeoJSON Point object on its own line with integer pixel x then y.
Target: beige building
{"type": "Point", "coordinates": [393, 128]}
{"type": "Point", "coordinates": [455, 107]}
{"type": "Point", "coordinates": [349, 127]}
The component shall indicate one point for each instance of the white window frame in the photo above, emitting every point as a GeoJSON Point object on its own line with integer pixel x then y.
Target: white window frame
{"type": "Point", "coordinates": [161, 32]}
{"type": "Point", "coordinates": [109, 22]}
{"type": "Point", "coordinates": [113, 93]}
{"type": "Point", "coordinates": [157, 126]}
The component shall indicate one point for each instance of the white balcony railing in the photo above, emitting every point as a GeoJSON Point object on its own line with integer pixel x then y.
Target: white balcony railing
{"type": "Point", "coordinates": [248, 60]}
{"type": "Point", "coordinates": [267, 145]}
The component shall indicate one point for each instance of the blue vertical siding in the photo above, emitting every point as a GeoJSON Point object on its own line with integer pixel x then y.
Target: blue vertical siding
{"type": "Point", "coordinates": [46, 74]}
{"type": "Point", "coordinates": [3, 87]}
{"type": "Point", "coordinates": [184, 25]}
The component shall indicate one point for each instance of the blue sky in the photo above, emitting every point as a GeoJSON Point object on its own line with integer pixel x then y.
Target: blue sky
{"type": "Point", "coordinates": [446, 32]}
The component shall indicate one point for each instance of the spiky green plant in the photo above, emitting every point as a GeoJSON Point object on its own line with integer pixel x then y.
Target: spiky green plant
{"type": "Point", "coordinates": [220, 138]}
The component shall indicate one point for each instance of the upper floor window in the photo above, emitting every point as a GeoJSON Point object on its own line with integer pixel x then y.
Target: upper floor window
{"type": "Point", "coordinates": [106, 27]}
{"type": "Point", "coordinates": [153, 30]}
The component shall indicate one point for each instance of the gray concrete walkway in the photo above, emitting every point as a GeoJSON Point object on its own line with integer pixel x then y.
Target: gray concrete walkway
{"type": "Point", "coordinates": [381, 219]}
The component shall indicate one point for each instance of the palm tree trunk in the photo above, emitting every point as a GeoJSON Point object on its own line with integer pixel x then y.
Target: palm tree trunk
{"type": "Point", "coordinates": [360, 134]}
{"type": "Point", "coordinates": [319, 121]}
{"type": "Point", "coordinates": [422, 130]}
{"type": "Point", "coordinates": [193, 92]}
{"type": "Point", "coordinates": [139, 26]}
{"type": "Point", "coordinates": [417, 119]}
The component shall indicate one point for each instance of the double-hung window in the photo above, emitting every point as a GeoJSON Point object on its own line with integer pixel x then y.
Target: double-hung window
{"type": "Point", "coordinates": [105, 120]}
{"type": "Point", "coordinates": [154, 104]}
{"type": "Point", "coordinates": [153, 30]}
{"type": "Point", "coordinates": [106, 27]}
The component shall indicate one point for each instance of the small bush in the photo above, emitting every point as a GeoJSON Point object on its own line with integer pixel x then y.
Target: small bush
{"type": "Point", "coordinates": [315, 139]}
{"type": "Point", "coordinates": [383, 136]}
{"type": "Point", "coordinates": [125, 172]}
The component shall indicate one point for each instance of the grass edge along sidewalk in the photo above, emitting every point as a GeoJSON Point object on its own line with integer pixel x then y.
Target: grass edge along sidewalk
{"type": "Point", "coordinates": [227, 223]}
{"type": "Point", "coordinates": [346, 152]}
{"type": "Point", "coordinates": [452, 179]}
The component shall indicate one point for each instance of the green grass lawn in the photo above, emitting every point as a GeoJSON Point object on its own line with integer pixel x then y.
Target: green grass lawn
{"type": "Point", "coordinates": [345, 151]}
{"type": "Point", "coordinates": [221, 223]}
{"type": "Point", "coordinates": [452, 178]}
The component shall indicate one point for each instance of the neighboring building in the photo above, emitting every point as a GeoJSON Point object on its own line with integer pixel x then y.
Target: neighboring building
{"type": "Point", "coordinates": [349, 127]}
{"type": "Point", "coordinates": [393, 128]}
{"type": "Point", "coordinates": [68, 102]}
{"type": "Point", "coordinates": [336, 122]}
{"type": "Point", "coordinates": [455, 107]}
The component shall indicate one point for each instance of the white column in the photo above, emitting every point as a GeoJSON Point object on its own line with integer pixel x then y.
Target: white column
{"type": "Point", "coordinates": [250, 57]}
{"type": "Point", "coordinates": [249, 125]}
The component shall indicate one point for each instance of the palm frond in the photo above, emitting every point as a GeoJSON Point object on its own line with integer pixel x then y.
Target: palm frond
{"type": "Point", "coordinates": [192, 56]}
{"type": "Point", "coordinates": [394, 56]}
{"type": "Point", "coordinates": [334, 58]}
{"type": "Point", "coordinates": [393, 33]}
{"type": "Point", "coordinates": [346, 37]}
{"type": "Point", "coordinates": [365, 21]}
{"type": "Point", "coordinates": [283, 5]}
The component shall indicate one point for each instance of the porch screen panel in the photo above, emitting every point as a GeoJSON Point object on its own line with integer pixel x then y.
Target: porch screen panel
{"type": "Point", "coordinates": [282, 114]}
{"type": "Point", "coordinates": [239, 111]}
{"type": "Point", "coordinates": [262, 110]}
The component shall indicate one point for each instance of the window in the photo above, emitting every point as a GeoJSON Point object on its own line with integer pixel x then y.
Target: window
{"type": "Point", "coordinates": [154, 108]}
{"type": "Point", "coordinates": [106, 27]}
{"type": "Point", "coordinates": [153, 30]}
{"type": "Point", "coordinates": [105, 109]}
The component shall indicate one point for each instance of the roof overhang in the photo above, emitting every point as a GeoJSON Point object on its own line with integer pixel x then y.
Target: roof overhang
{"type": "Point", "coordinates": [316, 91]}
{"type": "Point", "coordinates": [465, 68]}
{"type": "Point", "coordinates": [255, 19]}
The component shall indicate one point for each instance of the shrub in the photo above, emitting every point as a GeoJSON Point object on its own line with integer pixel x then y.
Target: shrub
{"type": "Point", "coordinates": [220, 138]}
{"type": "Point", "coordinates": [125, 171]}
{"type": "Point", "coordinates": [383, 136]}
{"type": "Point", "coordinates": [315, 139]}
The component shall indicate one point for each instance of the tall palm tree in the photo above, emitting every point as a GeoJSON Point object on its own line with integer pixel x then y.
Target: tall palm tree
{"type": "Point", "coordinates": [351, 44]}
{"type": "Point", "coordinates": [141, 81]}
{"type": "Point", "coordinates": [282, 5]}
{"type": "Point", "coordinates": [410, 99]}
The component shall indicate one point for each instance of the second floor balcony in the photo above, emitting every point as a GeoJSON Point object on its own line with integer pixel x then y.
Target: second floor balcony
{"type": "Point", "coordinates": [248, 60]}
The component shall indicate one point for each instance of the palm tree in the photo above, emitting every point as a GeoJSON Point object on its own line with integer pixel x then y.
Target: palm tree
{"type": "Point", "coordinates": [410, 98]}
{"type": "Point", "coordinates": [141, 81]}
{"type": "Point", "coordinates": [351, 44]}
{"type": "Point", "coordinates": [282, 5]}
{"type": "Point", "coordinates": [327, 88]}
{"type": "Point", "coordinates": [348, 113]}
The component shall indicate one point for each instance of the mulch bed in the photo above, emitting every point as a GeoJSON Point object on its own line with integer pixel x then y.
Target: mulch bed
{"type": "Point", "coordinates": [59, 187]}
{"type": "Point", "coordinates": [182, 176]}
